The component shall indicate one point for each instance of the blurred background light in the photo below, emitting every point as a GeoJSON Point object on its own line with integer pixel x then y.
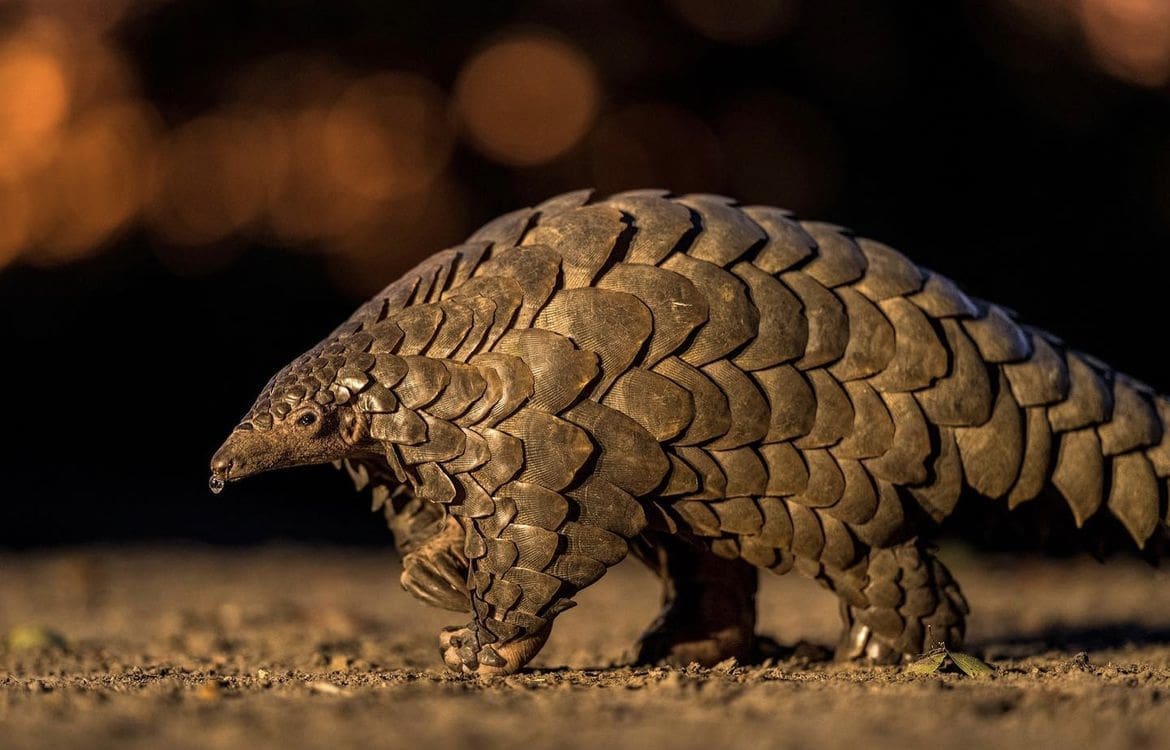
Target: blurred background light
{"type": "Point", "coordinates": [739, 22]}
{"type": "Point", "coordinates": [1130, 38]}
{"type": "Point", "coordinates": [304, 149]}
{"type": "Point", "coordinates": [75, 142]}
{"type": "Point", "coordinates": [311, 204]}
{"type": "Point", "coordinates": [389, 135]}
{"type": "Point", "coordinates": [413, 224]}
{"type": "Point", "coordinates": [214, 175]}
{"type": "Point", "coordinates": [527, 98]}
{"type": "Point", "coordinates": [1127, 39]}
{"type": "Point", "coordinates": [99, 179]}
{"type": "Point", "coordinates": [34, 105]}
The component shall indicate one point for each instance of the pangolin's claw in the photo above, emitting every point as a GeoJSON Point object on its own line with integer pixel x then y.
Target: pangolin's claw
{"type": "Point", "coordinates": [435, 581]}
{"type": "Point", "coordinates": [461, 650]}
{"type": "Point", "coordinates": [472, 651]}
{"type": "Point", "coordinates": [860, 644]}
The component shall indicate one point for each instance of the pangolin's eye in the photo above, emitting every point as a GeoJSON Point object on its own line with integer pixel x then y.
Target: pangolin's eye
{"type": "Point", "coordinates": [307, 419]}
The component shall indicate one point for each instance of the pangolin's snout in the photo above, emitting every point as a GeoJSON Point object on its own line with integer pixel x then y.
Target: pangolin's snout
{"type": "Point", "coordinates": [247, 452]}
{"type": "Point", "coordinates": [222, 464]}
{"type": "Point", "coordinates": [231, 462]}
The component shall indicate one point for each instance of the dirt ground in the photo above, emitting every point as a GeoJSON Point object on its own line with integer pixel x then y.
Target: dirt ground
{"type": "Point", "coordinates": [292, 647]}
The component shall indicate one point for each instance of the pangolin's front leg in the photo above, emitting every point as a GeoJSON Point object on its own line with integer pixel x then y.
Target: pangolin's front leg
{"type": "Point", "coordinates": [514, 610]}
{"type": "Point", "coordinates": [522, 574]}
{"type": "Point", "coordinates": [708, 604]}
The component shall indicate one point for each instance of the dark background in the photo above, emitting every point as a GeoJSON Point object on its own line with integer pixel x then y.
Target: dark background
{"type": "Point", "coordinates": [1025, 153]}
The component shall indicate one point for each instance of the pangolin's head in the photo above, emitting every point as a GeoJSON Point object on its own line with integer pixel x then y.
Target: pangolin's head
{"type": "Point", "coordinates": [313, 411]}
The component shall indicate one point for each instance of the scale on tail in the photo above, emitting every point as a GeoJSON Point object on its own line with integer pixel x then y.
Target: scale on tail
{"type": "Point", "coordinates": [717, 388]}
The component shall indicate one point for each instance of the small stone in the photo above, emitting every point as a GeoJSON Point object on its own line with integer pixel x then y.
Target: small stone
{"type": "Point", "coordinates": [325, 688]}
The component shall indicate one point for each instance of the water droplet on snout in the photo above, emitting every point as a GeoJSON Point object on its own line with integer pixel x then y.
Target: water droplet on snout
{"type": "Point", "coordinates": [216, 485]}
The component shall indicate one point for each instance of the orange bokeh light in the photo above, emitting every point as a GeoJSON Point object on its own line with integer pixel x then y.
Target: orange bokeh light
{"type": "Point", "coordinates": [1129, 38]}
{"type": "Point", "coordinates": [389, 135]}
{"type": "Point", "coordinates": [213, 179]}
{"type": "Point", "coordinates": [527, 98]}
{"type": "Point", "coordinates": [33, 106]}
{"type": "Point", "coordinates": [311, 204]}
{"type": "Point", "coordinates": [99, 178]}
{"type": "Point", "coordinates": [76, 142]}
{"type": "Point", "coordinates": [406, 230]}
{"type": "Point", "coordinates": [384, 137]}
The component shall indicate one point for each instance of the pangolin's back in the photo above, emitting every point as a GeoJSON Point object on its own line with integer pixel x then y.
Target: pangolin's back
{"type": "Point", "coordinates": [771, 384]}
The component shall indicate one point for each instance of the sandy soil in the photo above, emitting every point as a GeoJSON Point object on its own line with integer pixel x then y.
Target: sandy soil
{"type": "Point", "coordinates": [293, 647]}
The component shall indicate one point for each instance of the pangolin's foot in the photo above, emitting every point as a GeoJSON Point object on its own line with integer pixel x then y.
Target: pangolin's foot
{"type": "Point", "coordinates": [709, 606]}
{"type": "Point", "coordinates": [707, 623]}
{"type": "Point", "coordinates": [665, 643]}
{"type": "Point", "coordinates": [860, 644]}
{"type": "Point", "coordinates": [473, 651]}
{"type": "Point", "coordinates": [913, 605]}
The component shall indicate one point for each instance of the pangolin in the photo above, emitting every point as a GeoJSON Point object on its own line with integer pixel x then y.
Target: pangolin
{"type": "Point", "coordinates": [718, 388]}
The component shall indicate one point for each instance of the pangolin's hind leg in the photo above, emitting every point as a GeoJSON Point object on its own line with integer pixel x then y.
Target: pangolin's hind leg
{"type": "Point", "coordinates": [708, 604]}
{"type": "Point", "coordinates": [913, 604]}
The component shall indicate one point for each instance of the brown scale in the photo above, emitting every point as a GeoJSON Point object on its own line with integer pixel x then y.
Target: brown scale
{"type": "Point", "coordinates": [717, 388]}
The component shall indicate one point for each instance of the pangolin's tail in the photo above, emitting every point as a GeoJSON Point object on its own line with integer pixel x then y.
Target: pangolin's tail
{"type": "Point", "coordinates": [1068, 442]}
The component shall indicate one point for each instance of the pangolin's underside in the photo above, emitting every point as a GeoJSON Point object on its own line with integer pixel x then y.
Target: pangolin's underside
{"type": "Point", "coordinates": [712, 385]}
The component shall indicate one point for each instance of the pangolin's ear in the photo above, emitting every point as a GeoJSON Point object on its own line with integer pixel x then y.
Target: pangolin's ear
{"type": "Point", "coordinates": [353, 426]}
